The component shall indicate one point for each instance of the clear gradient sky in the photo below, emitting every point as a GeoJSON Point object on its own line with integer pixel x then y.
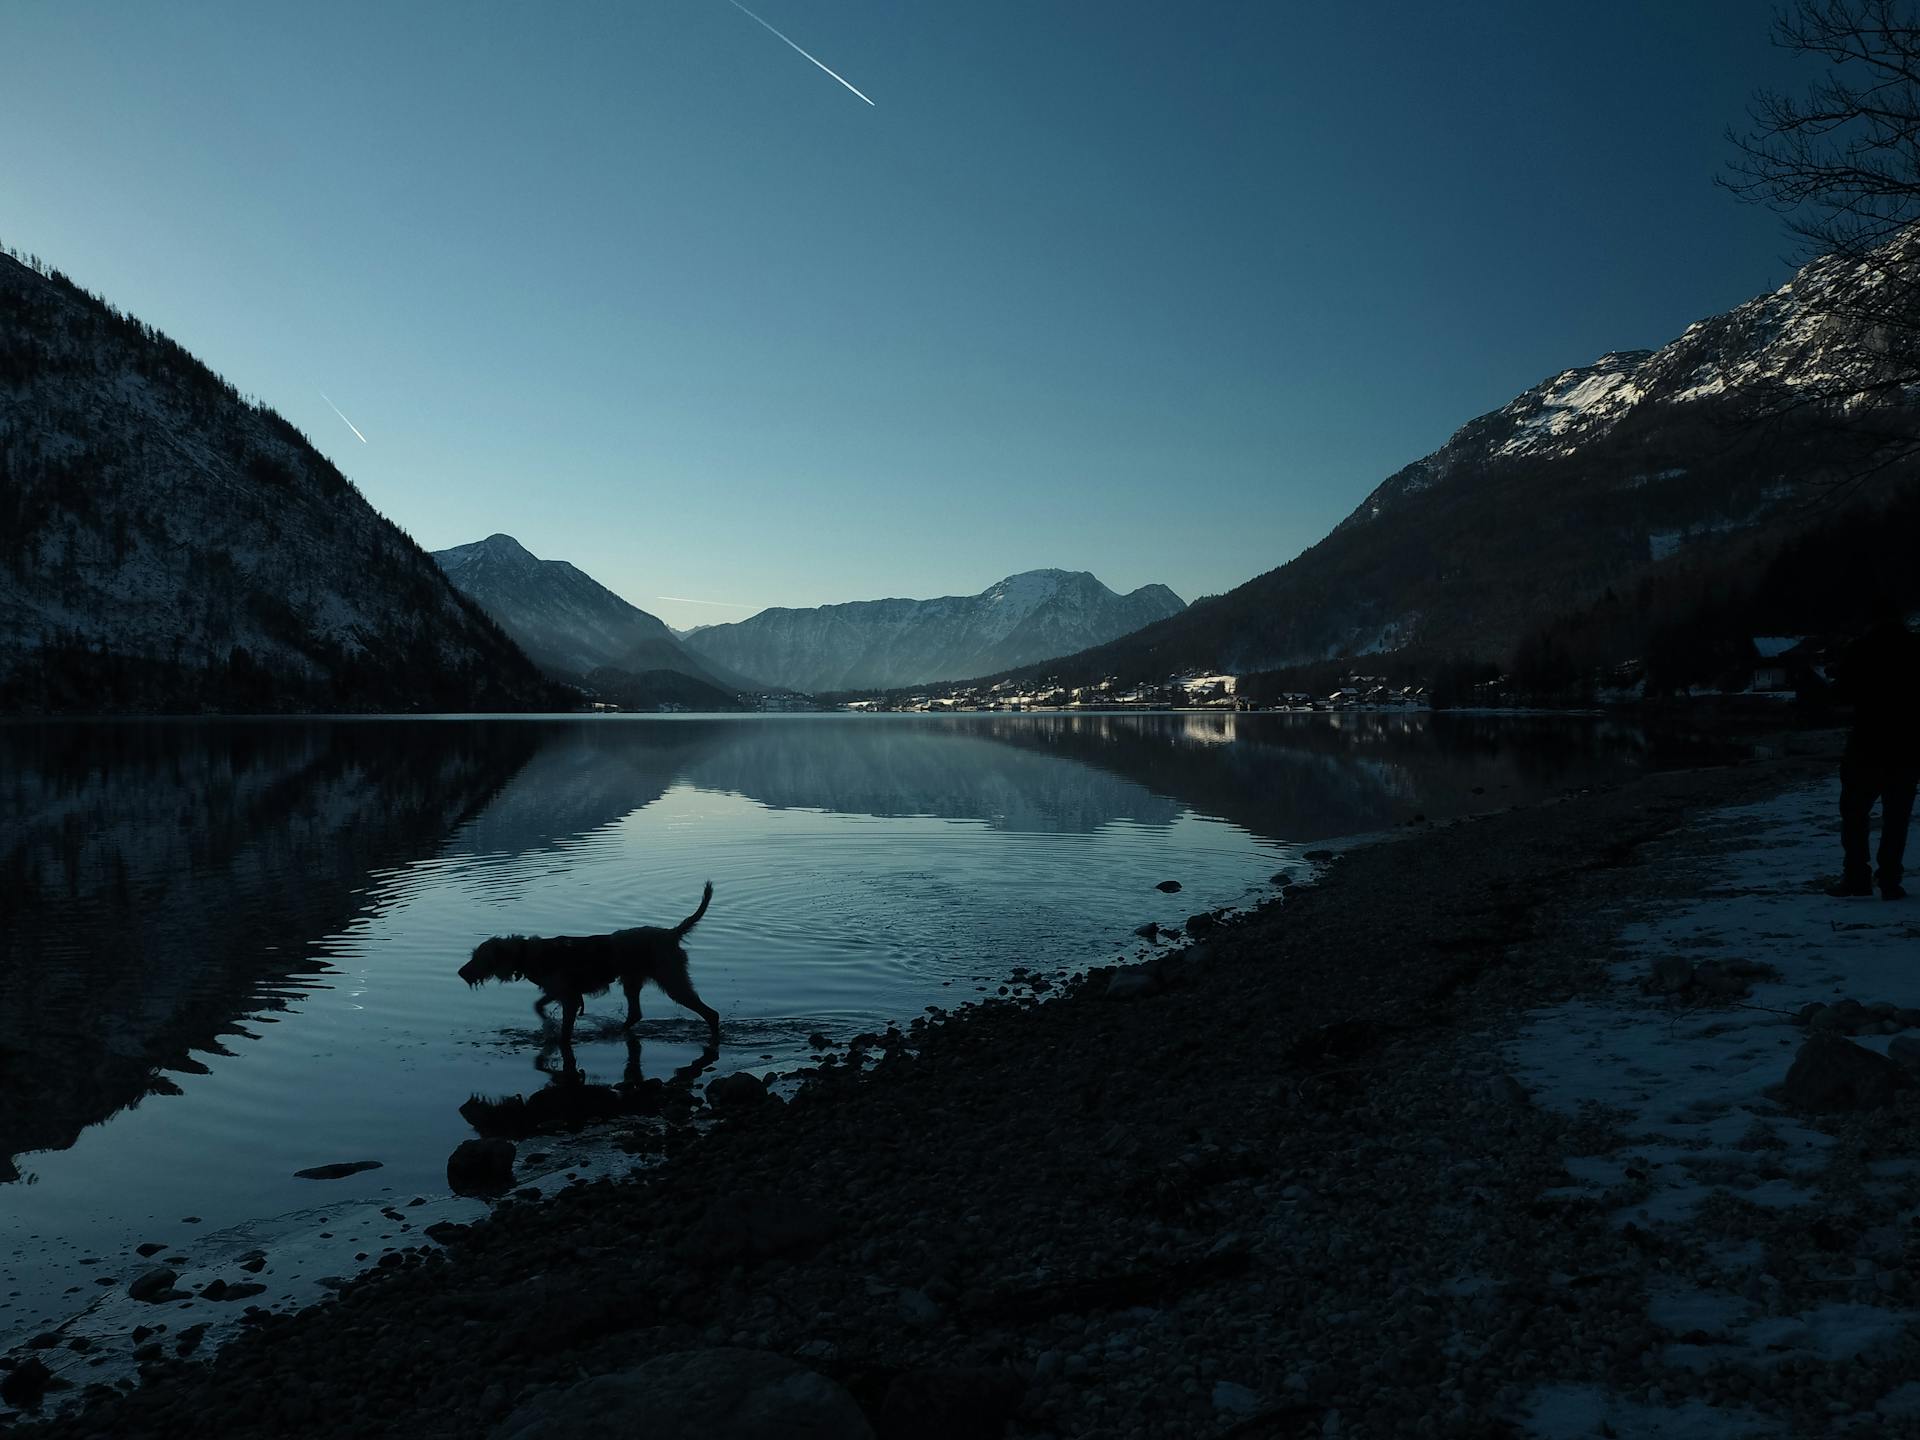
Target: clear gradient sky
{"type": "Point", "coordinates": [1157, 290]}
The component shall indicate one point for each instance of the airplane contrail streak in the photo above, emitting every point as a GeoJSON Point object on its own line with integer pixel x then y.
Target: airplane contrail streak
{"type": "Point", "coordinates": [343, 419]}
{"type": "Point", "coordinates": [723, 604]}
{"type": "Point", "coordinates": [836, 75]}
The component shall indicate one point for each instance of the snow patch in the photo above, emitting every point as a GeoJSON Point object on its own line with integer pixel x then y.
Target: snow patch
{"type": "Point", "coordinates": [1689, 1091]}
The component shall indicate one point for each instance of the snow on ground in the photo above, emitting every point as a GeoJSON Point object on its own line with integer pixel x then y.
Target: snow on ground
{"type": "Point", "coordinates": [1688, 1085]}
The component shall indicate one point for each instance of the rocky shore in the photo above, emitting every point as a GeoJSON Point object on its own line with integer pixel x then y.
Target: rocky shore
{"type": "Point", "coordinates": [1303, 1177]}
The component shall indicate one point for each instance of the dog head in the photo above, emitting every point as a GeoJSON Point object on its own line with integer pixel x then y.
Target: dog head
{"type": "Point", "coordinates": [495, 959]}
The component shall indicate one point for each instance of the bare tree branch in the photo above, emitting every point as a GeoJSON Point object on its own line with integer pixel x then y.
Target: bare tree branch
{"type": "Point", "coordinates": [1841, 164]}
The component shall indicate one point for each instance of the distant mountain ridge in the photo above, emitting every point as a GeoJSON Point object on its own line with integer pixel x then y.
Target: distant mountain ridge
{"type": "Point", "coordinates": [168, 546]}
{"type": "Point", "coordinates": [1581, 485]}
{"type": "Point", "coordinates": [576, 628]}
{"type": "Point", "coordinates": [884, 644]}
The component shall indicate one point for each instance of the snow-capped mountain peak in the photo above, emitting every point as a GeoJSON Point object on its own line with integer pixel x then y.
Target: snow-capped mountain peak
{"type": "Point", "coordinates": [881, 644]}
{"type": "Point", "coordinates": [1824, 334]}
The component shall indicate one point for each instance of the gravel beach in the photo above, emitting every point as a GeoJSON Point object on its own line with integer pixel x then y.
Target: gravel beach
{"type": "Point", "coordinates": [1334, 1168]}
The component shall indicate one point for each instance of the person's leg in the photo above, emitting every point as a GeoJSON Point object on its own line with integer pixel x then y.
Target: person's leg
{"type": "Point", "coordinates": [1857, 794]}
{"type": "Point", "coordinates": [1896, 810]}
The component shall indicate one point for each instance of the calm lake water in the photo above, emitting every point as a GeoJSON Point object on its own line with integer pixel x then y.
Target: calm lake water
{"type": "Point", "coordinates": [227, 949]}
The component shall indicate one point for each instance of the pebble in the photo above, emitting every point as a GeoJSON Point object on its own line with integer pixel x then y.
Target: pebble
{"type": "Point", "coordinates": [1234, 1399]}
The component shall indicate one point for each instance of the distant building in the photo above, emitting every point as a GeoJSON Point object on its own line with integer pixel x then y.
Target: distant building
{"type": "Point", "coordinates": [1210, 684]}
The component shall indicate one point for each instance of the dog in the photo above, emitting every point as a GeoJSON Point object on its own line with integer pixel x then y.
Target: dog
{"type": "Point", "coordinates": [569, 968]}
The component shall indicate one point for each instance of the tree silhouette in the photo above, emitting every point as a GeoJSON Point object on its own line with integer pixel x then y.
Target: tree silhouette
{"type": "Point", "coordinates": [1842, 161]}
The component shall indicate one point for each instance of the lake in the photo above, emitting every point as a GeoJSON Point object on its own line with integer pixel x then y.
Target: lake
{"type": "Point", "coordinates": [228, 948]}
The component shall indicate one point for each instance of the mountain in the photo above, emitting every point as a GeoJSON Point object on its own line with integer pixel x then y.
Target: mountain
{"type": "Point", "coordinates": [576, 628]}
{"type": "Point", "coordinates": [166, 545]}
{"type": "Point", "coordinates": [1599, 479]}
{"type": "Point", "coordinates": [881, 644]}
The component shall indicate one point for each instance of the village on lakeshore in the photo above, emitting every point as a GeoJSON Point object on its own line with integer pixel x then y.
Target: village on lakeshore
{"type": "Point", "coordinates": [1176, 692]}
{"type": "Point", "coordinates": [1778, 670]}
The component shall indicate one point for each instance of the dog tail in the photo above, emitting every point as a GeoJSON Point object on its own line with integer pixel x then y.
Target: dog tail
{"type": "Point", "coordinates": [706, 899]}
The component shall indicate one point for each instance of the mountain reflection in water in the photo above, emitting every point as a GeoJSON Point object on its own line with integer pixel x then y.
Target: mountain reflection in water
{"type": "Point", "coordinates": [159, 882]}
{"type": "Point", "coordinates": [166, 887]}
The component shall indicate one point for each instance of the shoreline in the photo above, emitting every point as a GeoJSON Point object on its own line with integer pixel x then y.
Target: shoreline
{"type": "Point", "coordinates": [1122, 1213]}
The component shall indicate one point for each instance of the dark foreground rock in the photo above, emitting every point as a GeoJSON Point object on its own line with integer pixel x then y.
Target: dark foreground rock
{"type": "Point", "coordinates": [736, 1092]}
{"type": "Point", "coordinates": [26, 1383]}
{"type": "Point", "coordinates": [155, 1285]}
{"type": "Point", "coordinates": [697, 1394]}
{"type": "Point", "coordinates": [953, 1403]}
{"type": "Point", "coordinates": [480, 1166]}
{"type": "Point", "coordinates": [1830, 1073]}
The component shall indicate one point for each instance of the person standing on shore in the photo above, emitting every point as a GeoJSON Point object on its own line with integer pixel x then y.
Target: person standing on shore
{"type": "Point", "coordinates": [1880, 675]}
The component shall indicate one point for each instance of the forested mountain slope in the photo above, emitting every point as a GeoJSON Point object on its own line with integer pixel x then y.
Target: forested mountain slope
{"type": "Point", "coordinates": [580, 631]}
{"type": "Point", "coordinates": [168, 545]}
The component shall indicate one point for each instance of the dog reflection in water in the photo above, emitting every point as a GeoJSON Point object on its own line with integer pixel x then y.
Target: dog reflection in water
{"type": "Point", "coordinates": [570, 968]}
{"type": "Point", "coordinates": [631, 1076]}
{"type": "Point", "coordinates": [570, 1100]}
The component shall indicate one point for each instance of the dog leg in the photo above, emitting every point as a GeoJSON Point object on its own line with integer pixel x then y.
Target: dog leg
{"type": "Point", "coordinates": [540, 1008]}
{"type": "Point", "coordinates": [570, 1009]}
{"type": "Point", "coordinates": [680, 990]}
{"type": "Point", "coordinates": [633, 1001]}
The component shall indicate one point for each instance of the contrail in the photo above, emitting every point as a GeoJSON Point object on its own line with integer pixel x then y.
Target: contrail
{"type": "Point", "coordinates": [836, 75]}
{"type": "Point", "coordinates": [682, 599]}
{"type": "Point", "coordinates": [343, 419]}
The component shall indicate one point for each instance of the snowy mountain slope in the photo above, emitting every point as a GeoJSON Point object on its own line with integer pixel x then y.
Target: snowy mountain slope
{"type": "Point", "coordinates": [1584, 483]}
{"type": "Point", "coordinates": [880, 644]}
{"type": "Point", "coordinates": [1840, 331]}
{"type": "Point", "coordinates": [165, 544]}
{"type": "Point", "coordinates": [569, 622]}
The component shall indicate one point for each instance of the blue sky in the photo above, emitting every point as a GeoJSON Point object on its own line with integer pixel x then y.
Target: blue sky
{"type": "Point", "coordinates": [1154, 290]}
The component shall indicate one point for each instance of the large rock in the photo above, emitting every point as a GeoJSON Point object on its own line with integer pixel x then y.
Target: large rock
{"type": "Point", "coordinates": [480, 1165]}
{"type": "Point", "coordinates": [952, 1403]}
{"type": "Point", "coordinates": [695, 1395]}
{"type": "Point", "coordinates": [736, 1092]}
{"type": "Point", "coordinates": [155, 1285]}
{"type": "Point", "coordinates": [1830, 1073]}
{"type": "Point", "coordinates": [1133, 982]}
{"type": "Point", "coordinates": [22, 1386]}
{"type": "Point", "coordinates": [1231, 1398]}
